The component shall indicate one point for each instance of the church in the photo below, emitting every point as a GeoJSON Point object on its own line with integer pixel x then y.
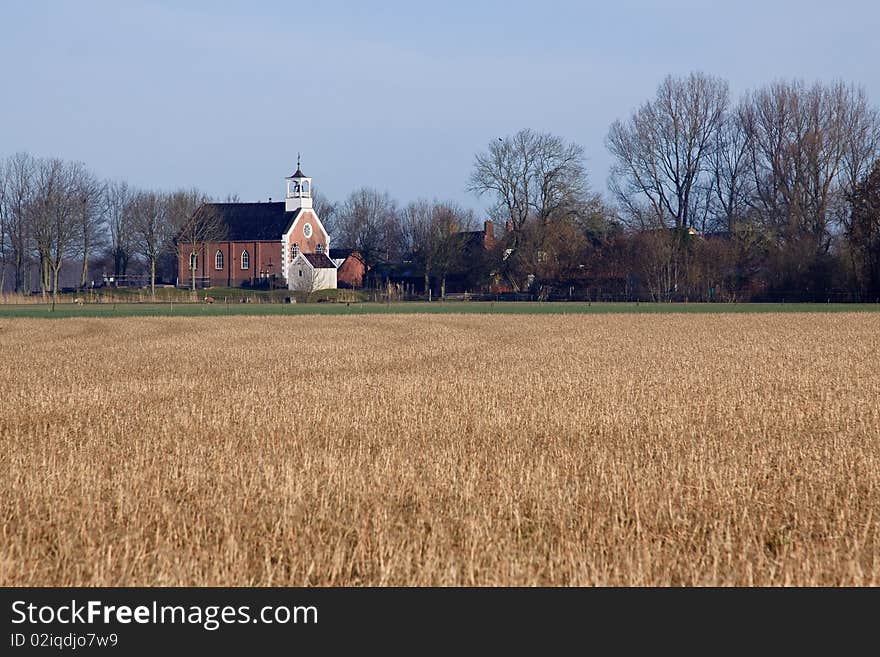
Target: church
{"type": "Point", "coordinates": [281, 244]}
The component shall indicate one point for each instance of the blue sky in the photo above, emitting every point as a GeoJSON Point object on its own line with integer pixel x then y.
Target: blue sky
{"type": "Point", "coordinates": [394, 95]}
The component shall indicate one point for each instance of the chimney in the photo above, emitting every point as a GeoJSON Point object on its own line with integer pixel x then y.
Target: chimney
{"type": "Point", "coordinates": [488, 233]}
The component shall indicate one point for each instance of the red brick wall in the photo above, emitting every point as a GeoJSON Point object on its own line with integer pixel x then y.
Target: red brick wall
{"type": "Point", "coordinates": [351, 272]}
{"type": "Point", "coordinates": [297, 236]}
{"type": "Point", "coordinates": [265, 258]}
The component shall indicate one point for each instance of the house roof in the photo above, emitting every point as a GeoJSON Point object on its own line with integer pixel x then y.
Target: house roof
{"type": "Point", "coordinates": [472, 238]}
{"type": "Point", "coordinates": [344, 254]}
{"type": "Point", "coordinates": [396, 270]}
{"type": "Point", "coordinates": [319, 260]}
{"type": "Point", "coordinates": [253, 221]}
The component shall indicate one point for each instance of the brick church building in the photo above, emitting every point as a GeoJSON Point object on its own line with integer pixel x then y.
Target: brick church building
{"type": "Point", "coordinates": [260, 243]}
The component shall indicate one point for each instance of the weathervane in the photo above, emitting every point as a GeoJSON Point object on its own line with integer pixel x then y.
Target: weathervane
{"type": "Point", "coordinates": [297, 162]}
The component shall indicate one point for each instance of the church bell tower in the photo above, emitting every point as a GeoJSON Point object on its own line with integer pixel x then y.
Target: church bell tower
{"type": "Point", "coordinates": [299, 190]}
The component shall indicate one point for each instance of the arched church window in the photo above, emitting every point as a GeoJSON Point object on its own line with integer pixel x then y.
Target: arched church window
{"type": "Point", "coordinates": [294, 250]}
{"type": "Point", "coordinates": [319, 248]}
{"type": "Point", "coordinates": [218, 259]}
{"type": "Point", "coordinates": [245, 260]}
{"type": "Point", "coordinates": [193, 260]}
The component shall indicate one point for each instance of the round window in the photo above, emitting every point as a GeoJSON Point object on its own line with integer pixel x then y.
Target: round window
{"type": "Point", "coordinates": [307, 230]}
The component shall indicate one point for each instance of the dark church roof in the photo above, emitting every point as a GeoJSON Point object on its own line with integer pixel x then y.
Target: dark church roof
{"type": "Point", "coordinates": [247, 222]}
{"type": "Point", "coordinates": [298, 174]}
{"type": "Point", "coordinates": [342, 254]}
{"type": "Point", "coordinates": [319, 260]}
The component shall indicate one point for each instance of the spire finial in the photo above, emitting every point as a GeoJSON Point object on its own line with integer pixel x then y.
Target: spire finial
{"type": "Point", "coordinates": [297, 161]}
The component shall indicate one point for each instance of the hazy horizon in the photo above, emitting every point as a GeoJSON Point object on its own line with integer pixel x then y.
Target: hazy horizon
{"type": "Point", "coordinates": [388, 95]}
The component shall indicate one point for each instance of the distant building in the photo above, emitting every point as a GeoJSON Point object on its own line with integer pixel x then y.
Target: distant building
{"type": "Point", "coordinates": [350, 268]}
{"type": "Point", "coordinates": [469, 272]}
{"type": "Point", "coordinates": [260, 241]}
{"type": "Point", "coordinates": [480, 239]}
{"type": "Point", "coordinates": [309, 272]}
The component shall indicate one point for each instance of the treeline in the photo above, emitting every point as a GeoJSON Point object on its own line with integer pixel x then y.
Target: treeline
{"type": "Point", "coordinates": [55, 213]}
{"type": "Point", "coordinates": [777, 186]}
{"type": "Point", "coordinates": [774, 195]}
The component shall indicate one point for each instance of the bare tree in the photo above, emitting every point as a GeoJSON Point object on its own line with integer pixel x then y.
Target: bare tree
{"type": "Point", "coordinates": [662, 173]}
{"type": "Point", "coordinates": [3, 228]}
{"type": "Point", "coordinates": [195, 223]}
{"type": "Point", "coordinates": [864, 232]}
{"type": "Point", "coordinates": [663, 150]}
{"type": "Point", "coordinates": [326, 210]}
{"type": "Point", "coordinates": [861, 134]}
{"type": "Point", "coordinates": [17, 200]}
{"type": "Point", "coordinates": [731, 184]}
{"type": "Point", "coordinates": [54, 218]}
{"type": "Point", "coordinates": [118, 211]}
{"type": "Point", "coordinates": [529, 175]}
{"type": "Point", "coordinates": [809, 148]}
{"type": "Point", "coordinates": [89, 196]}
{"type": "Point", "coordinates": [434, 234]}
{"type": "Point", "coordinates": [367, 222]}
{"type": "Point", "coordinates": [152, 229]}
{"type": "Point", "coordinates": [418, 234]}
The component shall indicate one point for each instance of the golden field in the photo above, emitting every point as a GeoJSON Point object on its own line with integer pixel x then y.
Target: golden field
{"type": "Point", "coordinates": [441, 450]}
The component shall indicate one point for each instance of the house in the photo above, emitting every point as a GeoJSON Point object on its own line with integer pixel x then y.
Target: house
{"type": "Point", "coordinates": [467, 266]}
{"type": "Point", "coordinates": [475, 240]}
{"type": "Point", "coordinates": [406, 276]}
{"type": "Point", "coordinates": [474, 266]}
{"type": "Point", "coordinates": [257, 242]}
{"type": "Point", "coordinates": [309, 272]}
{"type": "Point", "coordinates": [350, 268]}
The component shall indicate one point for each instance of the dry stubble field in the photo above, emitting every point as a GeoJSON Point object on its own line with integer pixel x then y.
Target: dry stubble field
{"type": "Point", "coordinates": [441, 450]}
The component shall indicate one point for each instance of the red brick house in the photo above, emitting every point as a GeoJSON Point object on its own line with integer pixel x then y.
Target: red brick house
{"type": "Point", "coordinates": [260, 240]}
{"type": "Point", "coordinates": [483, 239]}
{"type": "Point", "coordinates": [351, 268]}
